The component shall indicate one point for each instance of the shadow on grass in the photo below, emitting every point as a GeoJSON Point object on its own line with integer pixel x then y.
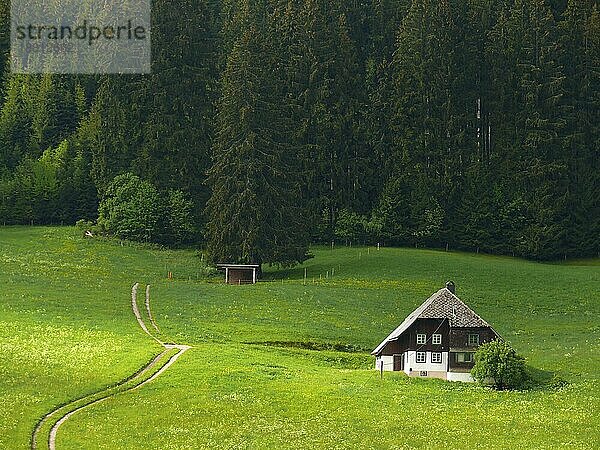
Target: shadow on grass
{"type": "Point", "coordinates": [319, 268]}
{"type": "Point", "coordinates": [543, 380]}
{"type": "Point", "coordinates": [315, 346]}
{"type": "Point", "coordinates": [293, 273]}
{"type": "Point", "coordinates": [332, 355]}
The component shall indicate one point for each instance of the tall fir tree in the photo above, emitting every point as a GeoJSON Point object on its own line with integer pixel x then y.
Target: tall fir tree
{"type": "Point", "coordinates": [254, 212]}
{"type": "Point", "coordinates": [177, 100]}
{"type": "Point", "coordinates": [434, 106]}
{"type": "Point", "coordinates": [15, 123]}
{"type": "Point", "coordinates": [328, 92]}
{"type": "Point", "coordinates": [54, 112]}
{"type": "Point", "coordinates": [529, 120]}
{"type": "Point", "coordinates": [4, 39]}
{"type": "Point", "coordinates": [580, 60]}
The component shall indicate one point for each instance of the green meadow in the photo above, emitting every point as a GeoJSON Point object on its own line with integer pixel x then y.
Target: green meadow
{"type": "Point", "coordinates": [285, 363]}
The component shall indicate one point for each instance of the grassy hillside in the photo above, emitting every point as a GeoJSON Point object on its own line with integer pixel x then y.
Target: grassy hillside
{"type": "Point", "coordinates": [66, 329]}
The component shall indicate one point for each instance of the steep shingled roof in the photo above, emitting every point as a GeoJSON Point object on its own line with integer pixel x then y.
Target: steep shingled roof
{"type": "Point", "coordinates": [441, 305]}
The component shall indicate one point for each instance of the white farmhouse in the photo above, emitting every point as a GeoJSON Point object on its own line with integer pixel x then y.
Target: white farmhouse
{"type": "Point", "coordinates": [437, 340]}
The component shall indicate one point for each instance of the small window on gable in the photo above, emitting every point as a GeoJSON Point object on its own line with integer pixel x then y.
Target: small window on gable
{"type": "Point", "coordinates": [473, 339]}
{"type": "Point", "coordinates": [436, 339]}
{"type": "Point", "coordinates": [421, 357]}
{"type": "Point", "coordinates": [436, 358]}
{"type": "Point", "coordinates": [421, 338]}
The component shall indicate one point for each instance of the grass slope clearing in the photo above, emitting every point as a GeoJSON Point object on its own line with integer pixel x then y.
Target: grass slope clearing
{"type": "Point", "coordinates": [66, 330]}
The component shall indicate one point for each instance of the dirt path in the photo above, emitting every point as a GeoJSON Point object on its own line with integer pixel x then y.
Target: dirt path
{"type": "Point", "coordinates": [149, 311]}
{"type": "Point", "coordinates": [138, 380]}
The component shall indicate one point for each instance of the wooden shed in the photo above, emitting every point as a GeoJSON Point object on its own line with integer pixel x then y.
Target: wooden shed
{"type": "Point", "coordinates": [240, 273]}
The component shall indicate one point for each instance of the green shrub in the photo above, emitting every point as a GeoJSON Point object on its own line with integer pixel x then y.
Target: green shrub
{"type": "Point", "coordinates": [498, 364]}
{"type": "Point", "coordinates": [134, 209]}
{"type": "Point", "coordinates": [131, 209]}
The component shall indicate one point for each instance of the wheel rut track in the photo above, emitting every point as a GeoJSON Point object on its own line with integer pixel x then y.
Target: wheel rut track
{"type": "Point", "coordinates": [138, 380]}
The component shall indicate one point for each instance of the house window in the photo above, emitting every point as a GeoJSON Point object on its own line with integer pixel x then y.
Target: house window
{"type": "Point", "coordinates": [421, 338]}
{"type": "Point", "coordinates": [473, 339]}
{"type": "Point", "coordinates": [436, 358]}
{"type": "Point", "coordinates": [421, 357]}
{"type": "Point", "coordinates": [436, 339]}
{"type": "Point", "coordinates": [464, 357]}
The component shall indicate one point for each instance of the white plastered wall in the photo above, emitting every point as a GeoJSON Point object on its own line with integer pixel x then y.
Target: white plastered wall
{"type": "Point", "coordinates": [411, 363]}
{"type": "Point", "coordinates": [460, 376]}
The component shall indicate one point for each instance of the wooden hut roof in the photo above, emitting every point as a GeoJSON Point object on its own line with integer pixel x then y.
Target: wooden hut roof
{"type": "Point", "coordinates": [238, 266]}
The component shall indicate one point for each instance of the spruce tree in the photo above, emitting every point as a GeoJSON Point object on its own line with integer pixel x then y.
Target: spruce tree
{"type": "Point", "coordinates": [377, 117]}
{"type": "Point", "coordinates": [54, 111]}
{"type": "Point", "coordinates": [112, 132]}
{"type": "Point", "coordinates": [176, 100]}
{"type": "Point", "coordinates": [254, 212]}
{"type": "Point", "coordinates": [15, 123]}
{"type": "Point", "coordinates": [434, 106]}
{"type": "Point", "coordinates": [4, 38]}
{"type": "Point", "coordinates": [580, 60]}
{"type": "Point", "coordinates": [530, 119]}
{"type": "Point", "coordinates": [328, 92]}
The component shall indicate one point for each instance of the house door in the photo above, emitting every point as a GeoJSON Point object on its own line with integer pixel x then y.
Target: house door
{"type": "Point", "coordinates": [399, 362]}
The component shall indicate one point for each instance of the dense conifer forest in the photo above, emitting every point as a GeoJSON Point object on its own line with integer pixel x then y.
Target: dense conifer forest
{"type": "Point", "coordinates": [269, 124]}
